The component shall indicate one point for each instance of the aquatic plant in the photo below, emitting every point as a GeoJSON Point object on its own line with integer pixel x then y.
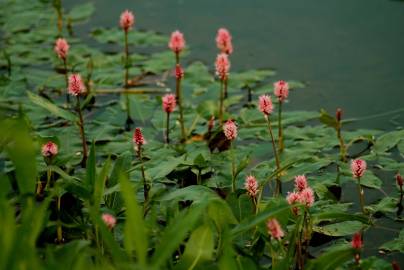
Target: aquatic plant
{"type": "Point", "coordinates": [198, 195]}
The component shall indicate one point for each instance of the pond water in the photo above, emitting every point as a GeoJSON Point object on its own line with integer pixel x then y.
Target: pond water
{"type": "Point", "coordinates": [349, 53]}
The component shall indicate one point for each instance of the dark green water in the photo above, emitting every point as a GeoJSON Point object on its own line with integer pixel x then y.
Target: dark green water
{"type": "Point", "coordinates": [350, 53]}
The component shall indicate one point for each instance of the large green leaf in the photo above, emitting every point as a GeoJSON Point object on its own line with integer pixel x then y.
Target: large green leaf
{"type": "Point", "coordinates": [199, 248]}
{"type": "Point", "coordinates": [175, 233]}
{"type": "Point", "coordinates": [135, 240]}
{"type": "Point", "coordinates": [52, 108]}
{"type": "Point", "coordinates": [332, 259]}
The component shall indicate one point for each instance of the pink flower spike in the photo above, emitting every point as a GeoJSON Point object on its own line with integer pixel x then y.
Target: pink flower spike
{"type": "Point", "coordinates": [179, 72]}
{"type": "Point", "coordinates": [177, 42]}
{"type": "Point", "coordinates": [292, 198]}
{"type": "Point", "coordinates": [251, 185]}
{"type": "Point", "coordinates": [127, 20]}
{"type": "Point", "coordinates": [138, 138]}
{"type": "Point", "coordinates": [265, 105]}
{"type": "Point", "coordinates": [169, 103]}
{"type": "Point", "coordinates": [300, 182]}
{"type": "Point", "coordinates": [358, 167]}
{"type": "Point", "coordinates": [76, 85]}
{"type": "Point", "coordinates": [306, 197]}
{"type": "Point", "coordinates": [211, 123]}
{"type": "Point", "coordinates": [357, 241]}
{"type": "Point", "coordinates": [109, 220]}
{"type": "Point", "coordinates": [49, 149]}
{"type": "Point", "coordinates": [223, 41]}
{"type": "Point", "coordinates": [61, 48]}
{"type": "Point", "coordinates": [338, 114]}
{"type": "Point", "coordinates": [222, 66]}
{"type": "Point", "coordinates": [230, 130]}
{"type": "Point", "coordinates": [399, 180]}
{"type": "Point", "coordinates": [281, 90]}
{"type": "Point", "coordinates": [275, 229]}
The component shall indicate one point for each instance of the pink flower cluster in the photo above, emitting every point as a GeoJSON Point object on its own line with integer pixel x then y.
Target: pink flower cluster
{"type": "Point", "coordinates": [169, 103]}
{"type": "Point", "coordinates": [399, 180]}
{"type": "Point", "coordinates": [265, 105]}
{"type": "Point", "coordinates": [49, 149]}
{"type": "Point", "coordinates": [230, 130]}
{"type": "Point", "coordinates": [222, 66]}
{"type": "Point", "coordinates": [358, 167]}
{"type": "Point", "coordinates": [223, 41]}
{"type": "Point", "coordinates": [109, 220]}
{"type": "Point", "coordinates": [179, 72]}
{"type": "Point", "coordinates": [138, 138]}
{"type": "Point", "coordinates": [127, 20]}
{"type": "Point", "coordinates": [281, 90]}
{"type": "Point", "coordinates": [251, 185]}
{"type": "Point", "coordinates": [303, 193]}
{"type": "Point", "coordinates": [76, 85]}
{"type": "Point", "coordinates": [177, 42]}
{"type": "Point", "coordinates": [61, 48]}
{"type": "Point", "coordinates": [357, 241]}
{"type": "Point", "coordinates": [274, 229]}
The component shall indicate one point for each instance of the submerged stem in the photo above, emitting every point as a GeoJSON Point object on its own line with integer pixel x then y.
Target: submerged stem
{"type": "Point", "coordinates": [278, 188]}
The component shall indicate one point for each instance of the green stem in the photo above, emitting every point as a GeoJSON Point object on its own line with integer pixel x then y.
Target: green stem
{"type": "Point", "coordinates": [145, 186]}
{"type": "Point", "coordinates": [48, 177]}
{"type": "Point", "coordinates": [278, 188]}
{"type": "Point", "coordinates": [199, 177]}
{"type": "Point", "coordinates": [281, 145]}
{"type": "Point", "coordinates": [179, 97]}
{"type": "Point", "coordinates": [59, 222]}
{"type": "Point", "coordinates": [221, 102]}
{"type": "Point", "coordinates": [233, 168]}
{"type": "Point", "coordinates": [342, 147]}
{"type": "Point", "coordinates": [66, 81]}
{"type": "Point", "coordinates": [82, 134]}
{"type": "Point", "coordinates": [168, 128]}
{"type": "Point", "coordinates": [126, 79]}
{"type": "Point", "coordinates": [225, 89]}
{"type": "Point", "coordinates": [361, 196]}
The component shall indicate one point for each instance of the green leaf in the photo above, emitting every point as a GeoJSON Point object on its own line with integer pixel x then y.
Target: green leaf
{"type": "Point", "coordinates": [135, 232]}
{"type": "Point", "coordinates": [90, 169]}
{"type": "Point", "coordinates": [100, 183]}
{"type": "Point", "coordinates": [388, 140]}
{"type": "Point", "coordinates": [396, 244]}
{"type": "Point", "coordinates": [199, 248]}
{"type": "Point", "coordinates": [332, 259]}
{"type": "Point", "coordinates": [52, 108]}
{"type": "Point", "coordinates": [175, 233]}
{"type": "Point", "coordinates": [164, 167]}
{"type": "Point", "coordinates": [260, 218]}
{"type": "Point", "coordinates": [327, 119]}
{"type": "Point", "coordinates": [81, 12]}
{"type": "Point", "coordinates": [339, 229]}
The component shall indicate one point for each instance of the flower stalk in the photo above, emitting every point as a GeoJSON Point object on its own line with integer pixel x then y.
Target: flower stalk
{"type": "Point", "coordinates": [342, 147]}
{"type": "Point", "coordinates": [82, 134]}
{"type": "Point", "coordinates": [278, 187]}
